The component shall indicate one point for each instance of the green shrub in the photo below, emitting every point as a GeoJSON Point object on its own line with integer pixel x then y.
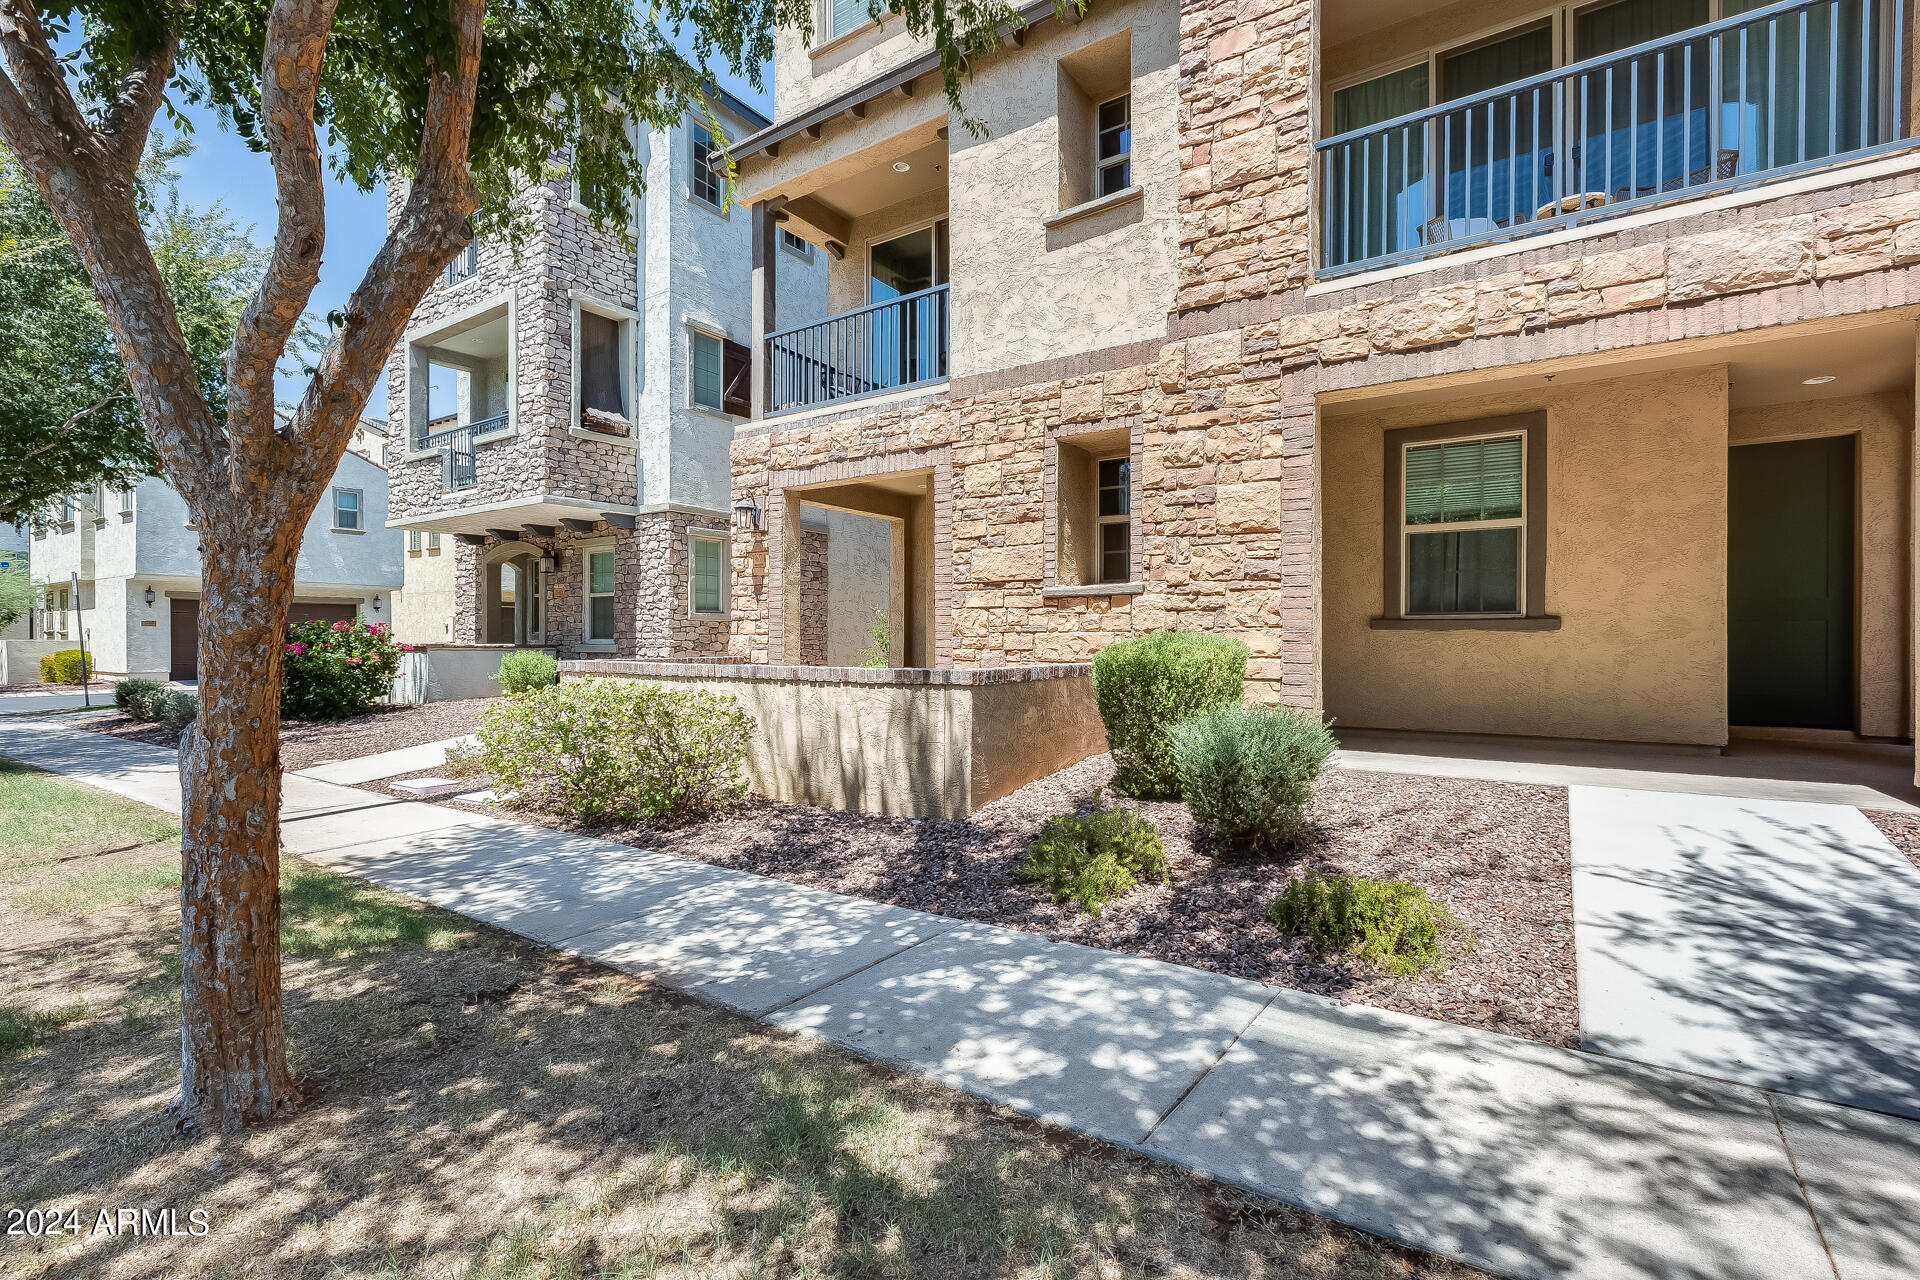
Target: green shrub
{"type": "Point", "coordinates": [332, 670]}
{"type": "Point", "coordinates": [1093, 858]}
{"type": "Point", "coordinates": [135, 697]}
{"type": "Point", "coordinates": [63, 666]}
{"type": "Point", "coordinates": [175, 709]}
{"type": "Point", "coordinates": [609, 750]}
{"type": "Point", "coordinates": [1247, 772]}
{"type": "Point", "coordinates": [1393, 925]}
{"type": "Point", "coordinates": [1146, 685]}
{"type": "Point", "coordinates": [527, 670]}
{"type": "Point", "coordinates": [463, 761]}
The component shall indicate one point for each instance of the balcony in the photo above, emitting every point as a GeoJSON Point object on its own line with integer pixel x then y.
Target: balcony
{"type": "Point", "coordinates": [1777, 91]}
{"type": "Point", "coordinates": [459, 463]}
{"type": "Point", "coordinates": [893, 345]}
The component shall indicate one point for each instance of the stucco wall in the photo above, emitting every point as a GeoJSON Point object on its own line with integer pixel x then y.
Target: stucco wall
{"type": "Point", "coordinates": [424, 607]}
{"type": "Point", "coordinates": [859, 581]}
{"type": "Point", "coordinates": [1636, 570]}
{"type": "Point", "coordinates": [808, 71]}
{"type": "Point", "coordinates": [1884, 427]}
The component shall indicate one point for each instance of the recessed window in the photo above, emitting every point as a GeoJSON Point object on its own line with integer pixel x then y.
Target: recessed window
{"type": "Point", "coordinates": [794, 244]}
{"type": "Point", "coordinates": [600, 596]}
{"type": "Point", "coordinates": [602, 369]}
{"type": "Point", "coordinates": [65, 511]}
{"type": "Point", "coordinates": [707, 361]}
{"type": "Point", "coordinates": [845, 15]}
{"type": "Point", "coordinates": [709, 560]}
{"type": "Point", "coordinates": [346, 509]}
{"type": "Point", "coordinates": [1113, 147]}
{"type": "Point", "coordinates": [433, 542]}
{"type": "Point", "coordinates": [706, 186]}
{"type": "Point", "coordinates": [413, 541]}
{"type": "Point", "coordinates": [1114, 508]}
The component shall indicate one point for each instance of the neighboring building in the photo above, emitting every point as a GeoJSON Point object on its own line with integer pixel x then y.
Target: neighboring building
{"type": "Point", "coordinates": [561, 420]}
{"type": "Point", "coordinates": [138, 560]}
{"type": "Point", "coordinates": [1483, 375]}
{"type": "Point", "coordinates": [370, 440]}
{"type": "Point", "coordinates": [14, 538]}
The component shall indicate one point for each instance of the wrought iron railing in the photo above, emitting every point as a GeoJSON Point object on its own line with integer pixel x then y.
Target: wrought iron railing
{"type": "Point", "coordinates": [459, 458]}
{"type": "Point", "coordinates": [886, 346]}
{"type": "Point", "coordinates": [466, 264]}
{"type": "Point", "coordinates": [1781, 89]}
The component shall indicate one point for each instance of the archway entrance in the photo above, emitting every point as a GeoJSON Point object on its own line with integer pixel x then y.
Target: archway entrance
{"type": "Point", "coordinates": [514, 595]}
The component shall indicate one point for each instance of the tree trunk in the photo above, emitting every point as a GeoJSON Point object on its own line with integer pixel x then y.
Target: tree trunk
{"type": "Point", "coordinates": [233, 1061]}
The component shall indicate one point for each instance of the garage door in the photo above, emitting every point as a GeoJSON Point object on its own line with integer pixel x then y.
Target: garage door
{"type": "Point", "coordinates": [185, 638]}
{"type": "Point", "coordinates": [321, 612]}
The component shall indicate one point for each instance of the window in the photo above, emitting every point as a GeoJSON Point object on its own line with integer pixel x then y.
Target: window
{"type": "Point", "coordinates": [1468, 537]}
{"type": "Point", "coordinates": [706, 361]}
{"type": "Point", "coordinates": [602, 380]}
{"type": "Point", "coordinates": [65, 511]}
{"type": "Point", "coordinates": [99, 499]}
{"type": "Point", "coordinates": [599, 592]}
{"type": "Point", "coordinates": [413, 541]}
{"type": "Point", "coordinates": [707, 186]}
{"type": "Point", "coordinates": [433, 543]}
{"type": "Point", "coordinates": [126, 501]}
{"type": "Point", "coordinates": [794, 244]}
{"type": "Point", "coordinates": [845, 15]}
{"type": "Point", "coordinates": [1113, 147]}
{"type": "Point", "coordinates": [465, 264]}
{"type": "Point", "coordinates": [1114, 508]}
{"type": "Point", "coordinates": [709, 561]}
{"type": "Point", "coordinates": [346, 510]}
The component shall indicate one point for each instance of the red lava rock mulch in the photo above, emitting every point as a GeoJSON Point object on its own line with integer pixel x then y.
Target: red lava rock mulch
{"type": "Point", "coordinates": [1903, 829]}
{"type": "Point", "coordinates": [1496, 853]}
{"type": "Point", "coordinates": [305, 743]}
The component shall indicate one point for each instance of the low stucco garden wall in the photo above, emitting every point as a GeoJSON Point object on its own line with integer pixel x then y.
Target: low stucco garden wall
{"type": "Point", "coordinates": [20, 659]}
{"type": "Point", "coordinates": [907, 742]}
{"type": "Point", "coordinates": [449, 672]}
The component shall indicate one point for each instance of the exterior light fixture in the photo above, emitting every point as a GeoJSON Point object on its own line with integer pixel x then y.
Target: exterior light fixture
{"type": "Point", "coordinates": [149, 597]}
{"type": "Point", "coordinates": [1820, 380]}
{"type": "Point", "coordinates": [376, 604]}
{"type": "Point", "coordinates": [746, 514]}
{"type": "Point", "coordinates": [901, 166]}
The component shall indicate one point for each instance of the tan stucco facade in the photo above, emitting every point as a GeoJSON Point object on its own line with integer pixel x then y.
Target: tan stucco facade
{"type": "Point", "coordinates": [1636, 572]}
{"type": "Point", "coordinates": [423, 608]}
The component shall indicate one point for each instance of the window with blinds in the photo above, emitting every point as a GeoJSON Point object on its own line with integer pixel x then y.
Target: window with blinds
{"type": "Point", "coordinates": [1463, 519]}
{"type": "Point", "coordinates": [708, 556]}
{"type": "Point", "coordinates": [845, 15]}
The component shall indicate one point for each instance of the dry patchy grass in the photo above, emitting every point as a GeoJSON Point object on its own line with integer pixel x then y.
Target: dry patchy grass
{"type": "Point", "coordinates": [481, 1107]}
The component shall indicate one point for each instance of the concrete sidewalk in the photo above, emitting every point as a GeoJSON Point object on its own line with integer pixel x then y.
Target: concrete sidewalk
{"type": "Point", "coordinates": [386, 764]}
{"type": "Point", "coordinates": [1506, 1154]}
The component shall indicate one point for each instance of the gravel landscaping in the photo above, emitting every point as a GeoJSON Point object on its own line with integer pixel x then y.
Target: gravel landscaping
{"type": "Point", "coordinates": [305, 743]}
{"type": "Point", "coordinates": [1496, 853]}
{"type": "Point", "coordinates": [1903, 829]}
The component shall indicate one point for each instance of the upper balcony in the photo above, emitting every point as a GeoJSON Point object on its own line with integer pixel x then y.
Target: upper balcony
{"type": "Point", "coordinates": [1587, 113]}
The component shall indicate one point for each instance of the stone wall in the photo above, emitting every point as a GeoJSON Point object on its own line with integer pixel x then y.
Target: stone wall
{"type": "Point", "coordinates": [813, 596]}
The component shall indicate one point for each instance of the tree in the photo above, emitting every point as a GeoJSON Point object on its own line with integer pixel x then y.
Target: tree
{"type": "Point", "coordinates": [62, 433]}
{"type": "Point", "coordinates": [460, 100]}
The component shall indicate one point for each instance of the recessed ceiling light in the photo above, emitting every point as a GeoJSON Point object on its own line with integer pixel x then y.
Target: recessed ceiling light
{"type": "Point", "coordinates": [1818, 381]}
{"type": "Point", "coordinates": [901, 166]}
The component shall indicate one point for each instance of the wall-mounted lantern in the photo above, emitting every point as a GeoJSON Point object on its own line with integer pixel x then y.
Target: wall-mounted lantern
{"type": "Point", "coordinates": [376, 604]}
{"type": "Point", "coordinates": [149, 597]}
{"type": "Point", "coordinates": [746, 514]}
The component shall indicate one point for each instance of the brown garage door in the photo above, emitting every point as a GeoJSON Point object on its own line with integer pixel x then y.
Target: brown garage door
{"type": "Point", "coordinates": [185, 640]}
{"type": "Point", "coordinates": [320, 612]}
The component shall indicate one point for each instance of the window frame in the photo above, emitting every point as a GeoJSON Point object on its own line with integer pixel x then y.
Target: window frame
{"type": "Point", "coordinates": [1100, 522]}
{"type": "Point", "coordinates": [699, 173]}
{"type": "Point", "coordinates": [695, 332]}
{"type": "Point", "coordinates": [359, 509]}
{"type": "Point", "coordinates": [628, 371]}
{"type": "Point", "coordinates": [794, 245]}
{"type": "Point", "coordinates": [1122, 161]}
{"type": "Point", "coordinates": [723, 540]}
{"type": "Point", "coordinates": [414, 542]}
{"type": "Point", "coordinates": [1531, 570]}
{"type": "Point", "coordinates": [588, 550]}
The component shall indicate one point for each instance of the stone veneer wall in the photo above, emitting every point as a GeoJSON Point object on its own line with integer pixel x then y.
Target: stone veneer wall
{"type": "Point", "coordinates": [1224, 411]}
{"type": "Point", "coordinates": [813, 597]}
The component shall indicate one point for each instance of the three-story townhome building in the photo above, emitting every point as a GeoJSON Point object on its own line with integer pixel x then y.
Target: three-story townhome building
{"type": "Point", "coordinates": [1492, 367]}
{"type": "Point", "coordinates": [560, 417]}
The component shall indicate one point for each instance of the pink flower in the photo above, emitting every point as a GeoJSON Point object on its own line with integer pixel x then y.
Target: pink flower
{"type": "Point", "coordinates": [353, 662]}
{"type": "Point", "coordinates": [343, 625]}
{"type": "Point", "coordinates": [296, 648]}
{"type": "Point", "coordinates": [406, 648]}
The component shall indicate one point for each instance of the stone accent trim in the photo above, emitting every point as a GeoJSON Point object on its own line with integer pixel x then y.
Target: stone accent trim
{"type": "Point", "coordinates": [1105, 360]}
{"type": "Point", "coordinates": [734, 669]}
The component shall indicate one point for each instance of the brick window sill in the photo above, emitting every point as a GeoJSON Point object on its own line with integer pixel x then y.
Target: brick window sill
{"type": "Point", "coordinates": [1096, 589]}
{"type": "Point", "coordinates": [1547, 623]}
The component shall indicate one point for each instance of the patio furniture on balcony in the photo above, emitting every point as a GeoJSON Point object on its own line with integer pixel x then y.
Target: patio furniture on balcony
{"type": "Point", "coordinates": [1749, 99]}
{"type": "Point", "coordinates": [886, 346]}
{"type": "Point", "coordinates": [459, 460]}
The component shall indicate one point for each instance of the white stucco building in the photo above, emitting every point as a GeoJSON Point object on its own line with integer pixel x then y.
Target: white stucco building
{"type": "Point", "coordinates": [137, 558]}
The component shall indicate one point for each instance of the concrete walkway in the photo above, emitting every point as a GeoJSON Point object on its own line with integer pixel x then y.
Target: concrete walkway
{"type": "Point", "coordinates": [1767, 941]}
{"type": "Point", "coordinates": [386, 764]}
{"type": "Point", "coordinates": [1526, 1160]}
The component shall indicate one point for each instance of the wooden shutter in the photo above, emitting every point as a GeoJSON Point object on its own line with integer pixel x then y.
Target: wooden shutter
{"type": "Point", "coordinates": [736, 378]}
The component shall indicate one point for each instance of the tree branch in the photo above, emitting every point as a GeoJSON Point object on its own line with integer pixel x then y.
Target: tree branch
{"type": "Point", "coordinates": [60, 432]}
{"type": "Point", "coordinates": [433, 226]}
{"type": "Point", "coordinates": [129, 118]}
{"type": "Point", "coordinates": [290, 63]}
{"type": "Point", "coordinates": [36, 76]}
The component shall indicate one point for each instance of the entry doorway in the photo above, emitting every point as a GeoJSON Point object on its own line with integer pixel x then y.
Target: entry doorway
{"type": "Point", "coordinates": [514, 596]}
{"type": "Point", "coordinates": [183, 638]}
{"type": "Point", "coordinates": [1790, 584]}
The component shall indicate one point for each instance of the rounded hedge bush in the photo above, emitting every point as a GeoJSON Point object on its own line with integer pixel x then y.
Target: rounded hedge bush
{"type": "Point", "coordinates": [175, 709]}
{"type": "Point", "coordinates": [1145, 685]}
{"type": "Point", "coordinates": [527, 671]}
{"type": "Point", "coordinates": [333, 670]}
{"type": "Point", "coordinates": [1394, 925]}
{"type": "Point", "coordinates": [63, 666]}
{"type": "Point", "coordinates": [1247, 772]}
{"type": "Point", "coordinates": [136, 698]}
{"type": "Point", "coordinates": [1095, 857]}
{"type": "Point", "coordinates": [617, 750]}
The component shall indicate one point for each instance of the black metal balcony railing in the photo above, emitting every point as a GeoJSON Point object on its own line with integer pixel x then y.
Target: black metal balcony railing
{"type": "Point", "coordinates": [886, 346]}
{"type": "Point", "coordinates": [465, 265]}
{"type": "Point", "coordinates": [459, 462]}
{"type": "Point", "coordinates": [1781, 89]}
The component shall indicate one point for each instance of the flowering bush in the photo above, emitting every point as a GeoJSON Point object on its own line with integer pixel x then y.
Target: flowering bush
{"type": "Point", "coordinates": [611, 750]}
{"type": "Point", "coordinates": [337, 669]}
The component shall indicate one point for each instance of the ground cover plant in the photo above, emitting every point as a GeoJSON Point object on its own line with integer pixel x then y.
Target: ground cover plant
{"type": "Point", "coordinates": [335, 670]}
{"type": "Point", "coordinates": [1393, 925]}
{"type": "Point", "coordinates": [478, 1106]}
{"type": "Point", "coordinates": [144, 702]}
{"type": "Point", "coordinates": [608, 750]}
{"type": "Point", "coordinates": [1145, 685]}
{"type": "Point", "coordinates": [527, 671]}
{"type": "Point", "coordinates": [1091, 858]}
{"type": "Point", "coordinates": [1246, 773]}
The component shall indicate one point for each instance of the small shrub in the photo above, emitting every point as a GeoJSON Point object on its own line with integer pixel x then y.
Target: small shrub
{"type": "Point", "coordinates": [1093, 858]}
{"type": "Point", "coordinates": [135, 697]}
{"type": "Point", "coordinates": [333, 670]}
{"type": "Point", "coordinates": [527, 670]}
{"type": "Point", "coordinates": [1247, 772]}
{"type": "Point", "coordinates": [1146, 685]}
{"type": "Point", "coordinates": [1394, 925]}
{"type": "Point", "coordinates": [611, 750]}
{"type": "Point", "coordinates": [63, 666]}
{"type": "Point", "coordinates": [463, 761]}
{"type": "Point", "coordinates": [175, 709]}
{"type": "Point", "coordinates": [879, 648]}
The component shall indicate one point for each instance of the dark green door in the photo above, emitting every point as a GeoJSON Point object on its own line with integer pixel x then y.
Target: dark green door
{"type": "Point", "coordinates": [1790, 584]}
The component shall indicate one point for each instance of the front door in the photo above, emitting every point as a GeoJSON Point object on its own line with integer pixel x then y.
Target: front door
{"type": "Point", "coordinates": [1790, 584]}
{"type": "Point", "coordinates": [185, 640]}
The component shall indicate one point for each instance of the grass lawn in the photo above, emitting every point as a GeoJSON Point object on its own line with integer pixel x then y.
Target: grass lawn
{"type": "Point", "coordinates": [478, 1106]}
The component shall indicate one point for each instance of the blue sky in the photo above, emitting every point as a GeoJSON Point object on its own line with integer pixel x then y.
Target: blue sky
{"type": "Point", "coordinates": [222, 168]}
